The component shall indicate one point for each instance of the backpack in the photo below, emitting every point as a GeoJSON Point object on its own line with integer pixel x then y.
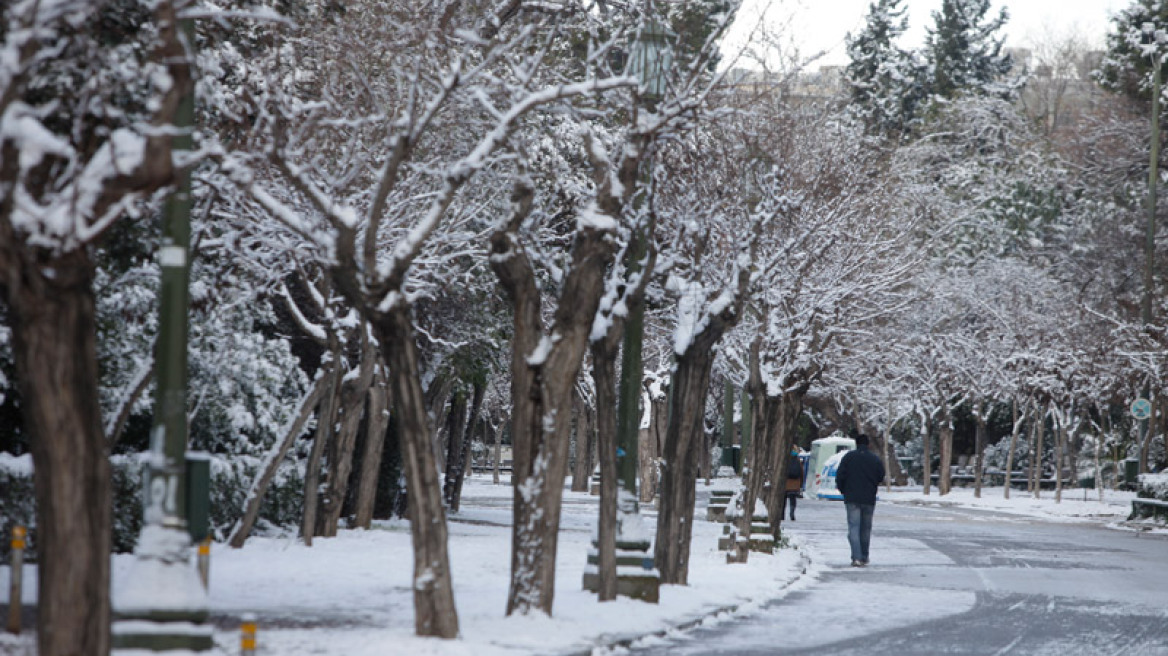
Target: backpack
{"type": "Point", "coordinates": [795, 468]}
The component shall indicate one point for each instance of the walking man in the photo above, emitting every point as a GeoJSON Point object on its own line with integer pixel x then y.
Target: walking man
{"type": "Point", "coordinates": [860, 472]}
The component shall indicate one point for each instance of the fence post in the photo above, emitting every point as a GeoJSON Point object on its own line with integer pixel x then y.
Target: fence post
{"type": "Point", "coordinates": [204, 562]}
{"type": "Point", "coordinates": [247, 635]}
{"type": "Point", "coordinates": [14, 608]}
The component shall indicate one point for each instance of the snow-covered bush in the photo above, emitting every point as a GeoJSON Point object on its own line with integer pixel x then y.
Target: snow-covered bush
{"type": "Point", "coordinates": [1153, 486]}
{"type": "Point", "coordinates": [230, 481]}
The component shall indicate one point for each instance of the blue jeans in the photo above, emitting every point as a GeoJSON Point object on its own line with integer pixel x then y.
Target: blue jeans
{"type": "Point", "coordinates": [859, 529]}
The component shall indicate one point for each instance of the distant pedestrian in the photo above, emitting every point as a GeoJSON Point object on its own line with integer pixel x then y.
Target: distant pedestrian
{"type": "Point", "coordinates": [794, 485]}
{"type": "Point", "coordinates": [860, 472]}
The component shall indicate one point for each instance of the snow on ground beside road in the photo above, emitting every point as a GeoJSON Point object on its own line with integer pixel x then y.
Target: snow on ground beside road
{"type": "Point", "coordinates": [1115, 506]}
{"type": "Point", "coordinates": [358, 584]}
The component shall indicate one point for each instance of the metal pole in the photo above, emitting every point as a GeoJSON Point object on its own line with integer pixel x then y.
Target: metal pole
{"type": "Point", "coordinates": [628, 414]}
{"type": "Point", "coordinates": [15, 579]}
{"type": "Point", "coordinates": [1150, 232]}
{"type": "Point", "coordinates": [156, 612]}
{"type": "Point", "coordinates": [1153, 181]}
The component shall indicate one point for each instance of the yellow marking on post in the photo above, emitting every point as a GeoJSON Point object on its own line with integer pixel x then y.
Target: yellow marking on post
{"type": "Point", "coordinates": [18, 535]}
{"type": "Point", "coordinates": [247, 635]}
{"type": "Point", "coordinates": [205, 547]}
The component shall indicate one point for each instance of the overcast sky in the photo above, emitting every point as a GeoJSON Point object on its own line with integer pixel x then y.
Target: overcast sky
{"type": "Point", "coordinates": [822, 24]}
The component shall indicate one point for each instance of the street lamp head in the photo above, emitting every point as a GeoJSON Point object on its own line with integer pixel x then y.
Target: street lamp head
{"type": "Point", "coordinates": [652, 57]}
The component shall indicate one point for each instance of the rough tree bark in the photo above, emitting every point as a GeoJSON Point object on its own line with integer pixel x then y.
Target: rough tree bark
{"type": "Point", "coordinates": [54, 334]}
{"type": "Point", "coordinates": [434, 611]}
{"type": "Point", "coordinates": [604, 352]}
{"type": "Point", "coordinates": [585, 444]}
{"type": "Point", "coordinates": [456, 426]}
{"type": "Point", "coordinates": [790, 407]}
{"type": "Point", "coordinates": [378, 423]}
{"type": "Point", "coordinates": [340, 462]}
{"type": "Point", "coordinates": [454, 499]}
{"type": "Point", "coordinates": [1017, 424]}
{"type": "Point", "coordinates": [684, 433]}
{"type": "Point", "coordinates": [326, 419]}
{"type": "Point", "coordinates": [979, 447]}
{"type": "Point", "coordinates": [49, 294]}
{"type": "Point", "coordinates": [945, 480]}
{"type": "Point", "coordinates": [544, 370]}
{"type": "Point", "coordinates": [926, 449]}
{"type": "Point", "coordinates": [650, 443]}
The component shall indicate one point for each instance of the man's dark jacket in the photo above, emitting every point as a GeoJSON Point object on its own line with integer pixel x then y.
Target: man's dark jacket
{"type": "Point", "coordinates": [860, 472]}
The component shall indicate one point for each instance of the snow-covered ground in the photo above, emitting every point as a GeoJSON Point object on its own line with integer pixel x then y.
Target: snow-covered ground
{"type": "Point", "coordinates": [1077, 505]}
{"type": "Point", "coordinates": [352, 594]}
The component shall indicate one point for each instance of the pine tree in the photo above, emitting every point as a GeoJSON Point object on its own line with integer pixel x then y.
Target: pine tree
{"type": "Point", "coordinates": [964, 53]}
{"type": "Point", "coordinates": [885, 81]}
{"type": "Point", "coordinates": [1127, 64]}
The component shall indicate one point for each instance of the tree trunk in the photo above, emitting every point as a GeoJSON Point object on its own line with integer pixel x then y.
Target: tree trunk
{"type": "Point", "coordinates": [684, 434]}
{"type": "Point", "coordinates": [378, 424]}
{"type": "Point", "coordinates": [434, 611]}
{"type": "Point", "coordinates": [274, 458]}
{"type": "Point", "coordinates": [1013, 445]}
{"type": "Point", "coordinates": [340, 465]}
{"type": "Point", "coordinates": [497, 430]}
{"type": "Point", "coordinates": [1060, 450]}
{"type": "Point", "coordinates": [476, 408]}
{"type": "Point", "coordinates": [604, 353]}
{"type": "Point", "coordinates": [456, 430]}
{"type": "Point", "coordinates": [1038, 456]}
{"type": "Point", "coordinates": [325, 423]}
{"type": "Point", "coordinates": [651, 440]}
{"type": "Point", "coordinates": [54, 334]}
{"type": "Point", "coordinates": [927, 450]}
{"type": "Point", "coordinates": [543, 374]}
{"type": "Point", "coordinates": [979, 449]}
{"type": "Point", "coordinates": [790, 408]}
{"type": "Point", "coordinates": [585, 444]}
{"type": "Point", "coordinates": [945, 481]}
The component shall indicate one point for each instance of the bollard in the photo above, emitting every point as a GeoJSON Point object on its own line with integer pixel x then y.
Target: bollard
{"type": "Point", "coordinates": [247, 635]}
{"type": "Point", "coordinates": [204, 562]}
{"type": "Point", "coordinates": [18, 535]}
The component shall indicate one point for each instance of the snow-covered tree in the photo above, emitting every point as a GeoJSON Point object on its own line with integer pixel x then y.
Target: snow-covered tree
{"type": "Point", "coordinates": [885, 81]}
{"type": "Point", "coordinates": [963, 51]}
{"type": "Point", "coordinates": [84, 143]}
{"type": "Point", "coordinates": [1139, 33]}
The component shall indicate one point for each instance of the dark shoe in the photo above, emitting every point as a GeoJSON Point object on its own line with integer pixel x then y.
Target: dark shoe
{"type": "Point", "coordinates": [792, 518]}
{"type": "Point", "coordinates": [857, 563]}
{"type": "Point", "coordinates": [863, 563]}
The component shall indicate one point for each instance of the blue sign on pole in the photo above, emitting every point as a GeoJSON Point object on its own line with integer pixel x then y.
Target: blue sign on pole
{"type": "Point", "coordinates": [1141, 408]}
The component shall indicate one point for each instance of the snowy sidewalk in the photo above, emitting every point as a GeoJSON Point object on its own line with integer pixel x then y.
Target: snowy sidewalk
{"type": "Point", "coordinates": [352, 594]}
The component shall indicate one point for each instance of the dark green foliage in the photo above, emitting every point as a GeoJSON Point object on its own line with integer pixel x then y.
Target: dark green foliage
{"type": "Point", "coordinates": [885, 82]}
{"type": "Point", "coordinates": [964, 51]}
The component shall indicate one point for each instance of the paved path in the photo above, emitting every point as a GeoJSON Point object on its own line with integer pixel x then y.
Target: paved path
{"type": "Point", "coordinates": [950, 581]}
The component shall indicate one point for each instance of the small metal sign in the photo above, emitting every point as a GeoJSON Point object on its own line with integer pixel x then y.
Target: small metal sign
{"type": "Point", "coordinates": [1141, 408]}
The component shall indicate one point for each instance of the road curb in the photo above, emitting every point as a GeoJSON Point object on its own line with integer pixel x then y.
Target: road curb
{"type": "Point", "coordinates": [626, 641]}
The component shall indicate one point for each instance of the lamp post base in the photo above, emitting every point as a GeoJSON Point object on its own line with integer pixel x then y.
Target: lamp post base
{"type": "Point", "coordinates": [162, 605]}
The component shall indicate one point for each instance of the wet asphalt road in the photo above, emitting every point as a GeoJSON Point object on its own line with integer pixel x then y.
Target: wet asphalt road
{"type": "Point", "coordinates": [951, 581]}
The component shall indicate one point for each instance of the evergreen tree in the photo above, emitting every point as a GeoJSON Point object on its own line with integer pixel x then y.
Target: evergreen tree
{"type": "Point", "coordinates": [963, 51]}
{"type": "Point", "coordinates": [885, 82]}
{"type": "Point", "coordinates": [1127, 64]}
